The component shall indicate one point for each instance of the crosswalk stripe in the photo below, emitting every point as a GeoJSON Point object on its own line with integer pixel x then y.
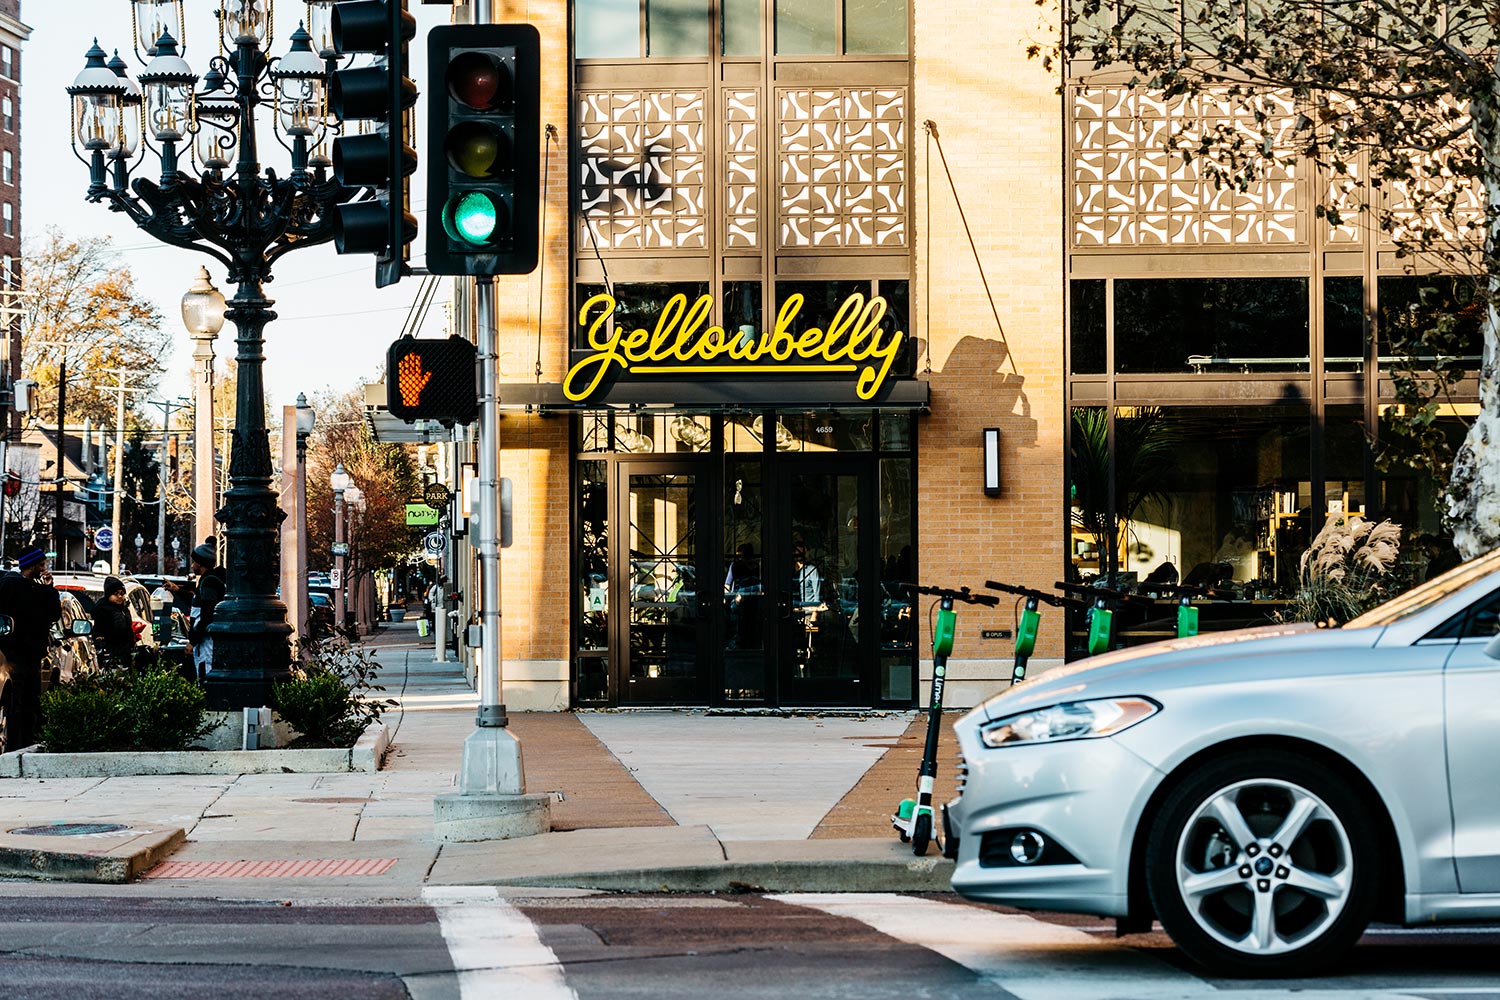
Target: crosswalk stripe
{"type": "Point", "coordinates": [494, 947]}
{"type": "Point", "coordinates": [1035, 960]}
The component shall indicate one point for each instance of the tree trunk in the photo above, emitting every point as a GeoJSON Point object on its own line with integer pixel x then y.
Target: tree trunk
{"type": "Point", "coordinates": [1473, 501]}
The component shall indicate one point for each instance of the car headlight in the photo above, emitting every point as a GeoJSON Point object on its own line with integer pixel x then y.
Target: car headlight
{"type": "Point", "coordinates": [1075, 720]}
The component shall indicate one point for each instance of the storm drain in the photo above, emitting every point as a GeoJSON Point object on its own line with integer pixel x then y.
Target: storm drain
{"type": "Point", "coordinates": [69, 829]}
{"type": "Point", "coordinates": [271, 869]}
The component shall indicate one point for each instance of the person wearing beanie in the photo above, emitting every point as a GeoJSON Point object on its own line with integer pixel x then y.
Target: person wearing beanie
{"type": "Point", "coordinates": [28, 597]}
{"type": "Point", "coordinates": [114, 630]}
{"type": "Point", "coordinates": [211, 590]}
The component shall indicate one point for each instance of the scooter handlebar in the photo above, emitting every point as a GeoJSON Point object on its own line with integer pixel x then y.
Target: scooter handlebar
{"type": "Point", "coordinates": [961, 594]}
{"type": "Point", "coordinates": [1094, 593]}
{"type": "Point", "coordinates": [1040, 595]}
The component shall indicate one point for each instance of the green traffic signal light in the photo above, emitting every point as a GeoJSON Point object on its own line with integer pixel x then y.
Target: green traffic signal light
{"type": "Point", "coordinates": [474, 217]}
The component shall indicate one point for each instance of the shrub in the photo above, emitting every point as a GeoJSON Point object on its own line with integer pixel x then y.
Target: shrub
{"type": "Point", "coordinates": [166, 710]}
{"type": "Point", "coordinates": [333, 695]}
{"type": "Point", "coordinates": [84, 717]}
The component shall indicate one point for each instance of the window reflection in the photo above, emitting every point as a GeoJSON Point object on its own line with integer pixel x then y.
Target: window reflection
{"type": "Point", "coordinates": [1211, 324]}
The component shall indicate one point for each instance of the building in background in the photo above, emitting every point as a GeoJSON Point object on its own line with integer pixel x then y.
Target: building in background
{"type": "Point", "coordinates": [13, 35]}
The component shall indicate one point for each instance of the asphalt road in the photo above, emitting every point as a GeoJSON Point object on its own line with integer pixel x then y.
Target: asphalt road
{"type": "Point", "coordinates": [470, 943]}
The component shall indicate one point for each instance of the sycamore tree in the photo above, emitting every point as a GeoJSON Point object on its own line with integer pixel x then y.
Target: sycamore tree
{"type": "Point", "coordinates": [82, 307]}
{"type": "Point", "coordinates": [1397, 102]}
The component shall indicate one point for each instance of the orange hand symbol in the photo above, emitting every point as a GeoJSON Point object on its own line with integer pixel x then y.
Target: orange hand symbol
{"type": "Point", "coordinates": [411, 379]}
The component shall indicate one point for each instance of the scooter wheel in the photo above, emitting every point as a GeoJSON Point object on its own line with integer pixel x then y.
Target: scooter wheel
{"type": "Point", "coordinates": [921, 835]}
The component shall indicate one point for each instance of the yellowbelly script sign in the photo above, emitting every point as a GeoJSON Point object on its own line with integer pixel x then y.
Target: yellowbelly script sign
{"type": "Point", "coordinates": [684, 344]}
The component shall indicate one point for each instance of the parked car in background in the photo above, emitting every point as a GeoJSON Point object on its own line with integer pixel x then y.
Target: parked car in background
{"type": "Point", "coordinates": [88, 588]}
{"type": "Point", "coordinates": [1264, 793]}
{"type": "Point", "coordinates": [71, 652]}
{"type": "Point", "coordinates": [320, 614]}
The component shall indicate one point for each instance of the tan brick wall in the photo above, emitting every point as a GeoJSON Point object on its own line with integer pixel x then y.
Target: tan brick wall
{"type": "Point", "coordinates": [535, 451]}
{"type": "Point", "coordinates": [998, 117]}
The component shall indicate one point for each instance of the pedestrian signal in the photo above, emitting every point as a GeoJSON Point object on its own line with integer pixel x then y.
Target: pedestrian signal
{"type": "Point", "coordinates": [432, 380]}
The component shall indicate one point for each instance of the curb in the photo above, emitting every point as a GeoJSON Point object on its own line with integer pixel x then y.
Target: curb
{"type": "Point", "coordinates": [34, 762]}
{"type": "Point", "coordinates": [918, 875]}
{"type": "Point", "coordinates": [113, 860]}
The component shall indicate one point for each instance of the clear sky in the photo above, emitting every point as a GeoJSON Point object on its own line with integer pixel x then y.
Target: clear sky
{"type": "Point", "coordinates": [334, 325]}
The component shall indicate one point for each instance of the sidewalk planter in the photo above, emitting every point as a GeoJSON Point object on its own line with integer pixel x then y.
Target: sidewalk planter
{"type": "Point", "coordinates": [32, 762]}
{"type": "Point", "coordinates": [397, 614]}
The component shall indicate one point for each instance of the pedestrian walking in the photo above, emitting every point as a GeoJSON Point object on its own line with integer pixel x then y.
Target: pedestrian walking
{"type": "Point", "coordinates": [211, 590]}
{"type": "Point", "coordinates": [115, 632]}
{"type": "Point", "coordinates": [28, 597]}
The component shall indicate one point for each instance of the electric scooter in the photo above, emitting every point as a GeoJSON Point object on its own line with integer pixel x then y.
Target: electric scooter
{"type": "Point", "coordinates": [1101, 615]}
{"type": "Point", "coordinates": [914, 818]}
{"type": "Point", "coordinates": [1029, 621]}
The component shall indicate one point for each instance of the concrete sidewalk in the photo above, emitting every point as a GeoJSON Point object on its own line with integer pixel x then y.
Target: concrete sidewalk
{"type": "Point", "coordinates": [660, 800]}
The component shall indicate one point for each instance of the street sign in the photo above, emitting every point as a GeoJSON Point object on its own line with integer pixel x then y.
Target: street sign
{"type": "Point", "coordinates": [341, 548]}
{"type": "Point", "coordinates": [334, 579]}
{"type": "Point", "coordinates": [432, 379]}
{"type": "Point", "coordinates": [104, 539]}
{"type": "Point", "coordinates": [419, 515]}
{"type": "Point", "coordinates": [437, 496]}
{"type": "Point", "coordinates": [434, 542]}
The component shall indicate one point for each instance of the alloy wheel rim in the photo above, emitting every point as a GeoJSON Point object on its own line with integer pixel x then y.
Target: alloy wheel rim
{"type": "Point", "coordinates": [1264, 866]}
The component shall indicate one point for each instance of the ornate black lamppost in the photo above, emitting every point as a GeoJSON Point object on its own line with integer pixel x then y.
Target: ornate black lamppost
{"type": "Point", "coordinates": [213, 196]}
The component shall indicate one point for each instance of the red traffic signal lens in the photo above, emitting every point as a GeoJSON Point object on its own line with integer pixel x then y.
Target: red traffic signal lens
{"type": "Point", "coordinates": [476, 148]}
{"type": "Point", "coordinates": [478, 80]}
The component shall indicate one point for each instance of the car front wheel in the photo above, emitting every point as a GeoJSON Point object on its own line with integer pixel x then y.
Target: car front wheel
{"type": "Point", "coordinates": [1263, 864]}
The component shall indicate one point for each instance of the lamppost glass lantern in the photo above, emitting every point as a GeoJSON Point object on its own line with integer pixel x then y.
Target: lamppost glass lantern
{"type": "Point", "coordinates": [246, 21]}
{"type": "Point", "coordinates": [203, 307]}
{"type": "Point", "coordinates": [340, 480]}
{"type": "Point", "coordinates": [97, 99]}
{"type": "Point", "coordinates": [320, 27]}
{"type": "Point", "coordinates": [300, 76]}
{"type": "Point", "coordinates": [153, 18]}
{"type": "Point", "coordinates": [130, 112]}
{"type": "Point", "coordinates": [307, 417]}
{"type": "Point", "coordinates": [168, 82]}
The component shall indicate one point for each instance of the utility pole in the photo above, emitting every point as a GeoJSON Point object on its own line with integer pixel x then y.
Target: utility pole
{"type": "Point", "coordinates": [168, 407]}
{"type": "Point", "coordinates": [119, 389]}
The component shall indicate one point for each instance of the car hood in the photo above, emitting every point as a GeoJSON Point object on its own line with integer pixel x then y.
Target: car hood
{"type": "Point", "coordinates": [1174, 663]}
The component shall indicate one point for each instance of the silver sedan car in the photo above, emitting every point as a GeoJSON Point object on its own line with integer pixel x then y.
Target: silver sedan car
{"type": "Point", "coordinates": [1264, 793]}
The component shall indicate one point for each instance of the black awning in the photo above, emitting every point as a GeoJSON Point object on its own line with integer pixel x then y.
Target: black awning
{"type": "Point", "coordinates": [701, 396]}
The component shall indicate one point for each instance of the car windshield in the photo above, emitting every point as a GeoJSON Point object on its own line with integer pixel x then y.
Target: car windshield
{"type": "Point", "coordinates": [1429, 593]}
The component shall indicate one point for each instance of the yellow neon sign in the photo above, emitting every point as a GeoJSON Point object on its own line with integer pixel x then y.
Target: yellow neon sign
{"type": "Point", "coordinates": [683, 344]}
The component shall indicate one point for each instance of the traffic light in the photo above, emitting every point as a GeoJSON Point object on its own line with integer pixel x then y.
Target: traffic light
{"type": "Point", "coordinates": [380, 161]}
{"type": "Point", "coordinates": [484, 136]}
{"type": "Point", "coordinates": [432, 380]}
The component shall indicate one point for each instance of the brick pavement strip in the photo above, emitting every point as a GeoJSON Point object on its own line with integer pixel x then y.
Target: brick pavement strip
{"type": "Point", "coordinates": [590, 787]}
{"type": "Point", "coordinates": [865, 811]}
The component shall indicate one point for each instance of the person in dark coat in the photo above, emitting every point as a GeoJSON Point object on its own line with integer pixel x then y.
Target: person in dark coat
{"type": "Point", "coordinates": [28, 597]}
{"type": "Point", "coordinates": [114, 629]}
{"type": "Point", "coordinates": [211, 590]}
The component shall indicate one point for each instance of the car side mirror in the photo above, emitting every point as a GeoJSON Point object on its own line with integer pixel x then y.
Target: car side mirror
{"type": "Point", "coordinates": [6, 624]}
{"type": "Point", "coordinates": [82, 626]}
{"type": "Point", "coordinates": [1492, 648]}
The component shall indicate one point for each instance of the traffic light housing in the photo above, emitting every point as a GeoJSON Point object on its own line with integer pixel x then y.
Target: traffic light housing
{"type": "Point", "coordinates": [432, 380]}
{"type": "Point", "coordinates": [379, 161]}
{"type": "Point", "coordinates": [484, 138]}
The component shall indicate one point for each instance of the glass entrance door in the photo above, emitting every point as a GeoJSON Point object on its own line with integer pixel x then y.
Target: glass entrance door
{"type": "Point", "coordinates": [664, 580]}
{"type": "Point", "coordinates": [828, 609]}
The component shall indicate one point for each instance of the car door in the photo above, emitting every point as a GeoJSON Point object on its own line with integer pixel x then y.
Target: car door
{"type": "Point", "coordinates": [1471, 696]}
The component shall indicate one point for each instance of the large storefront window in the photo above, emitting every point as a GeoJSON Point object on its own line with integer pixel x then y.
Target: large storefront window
{"type": "Point", "coordinates": [1211, 324]}
{"type": "Point", "coordinates": [592, 684]}
{"type": "Point", "coordinates": [1429, 315]}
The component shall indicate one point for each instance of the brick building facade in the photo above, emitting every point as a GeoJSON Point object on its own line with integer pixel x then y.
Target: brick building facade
{"type": "Point", "coordinates": [739, 538]}
{"type": "Point", "coordinates": [13, 35]}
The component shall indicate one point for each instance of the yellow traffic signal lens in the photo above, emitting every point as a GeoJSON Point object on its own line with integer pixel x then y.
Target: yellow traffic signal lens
{"type": "Point", "coordinates": [475, 218]}
{"type": "Point", "coordinates": [475, 148]}
{"type": "Point", "coordinates": [477, 79]}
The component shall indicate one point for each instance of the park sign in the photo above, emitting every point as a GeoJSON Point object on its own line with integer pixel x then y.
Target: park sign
{"type": "Point", "coordinates": [419, 515]}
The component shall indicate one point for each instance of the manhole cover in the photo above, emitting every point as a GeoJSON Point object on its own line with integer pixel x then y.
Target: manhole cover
{"type": "Point", "coordinates": [69, 829]}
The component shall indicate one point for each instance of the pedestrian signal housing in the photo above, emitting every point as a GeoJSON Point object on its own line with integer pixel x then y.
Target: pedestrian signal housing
{"type": "Point", "coordinates": [374, 164]}
{"type": "Point", "coordinates": [483, 141]}
{"type": "Point", "coordinates": [432, 380]}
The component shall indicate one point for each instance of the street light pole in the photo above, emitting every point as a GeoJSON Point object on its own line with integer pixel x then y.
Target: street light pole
{"type": "Point", "coordinates": [203, 310]}
{"type": "Point", "coordinates": [339, 481]}
{"type": "Point", "coordinates": [168, 407]}
{"type": "Point", "coordinates": [119, 389]}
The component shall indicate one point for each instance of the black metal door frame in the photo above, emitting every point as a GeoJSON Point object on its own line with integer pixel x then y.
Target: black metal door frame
{"type": "Point", "coordinates": [780, 576]}
{"type": "Point", "coordinates": [706, 597]}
